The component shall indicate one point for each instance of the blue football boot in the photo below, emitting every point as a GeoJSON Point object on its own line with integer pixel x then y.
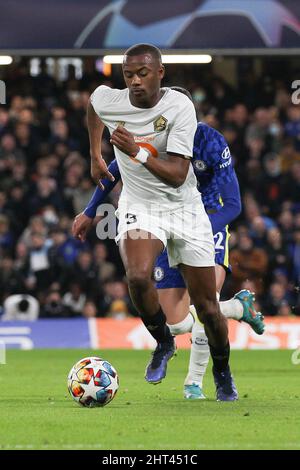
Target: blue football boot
{"type": "Point", "coordinates": [193, 392]}
{"type": "Point", "coordinates": [225, 386]}
{"type": "Point", "coordinates": [250, 315]}
{"type": "Point", "coordinates": [157, 368]}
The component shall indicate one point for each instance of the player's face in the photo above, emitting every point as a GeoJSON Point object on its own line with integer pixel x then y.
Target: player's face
{"type": "Point", "coordinates": [143, 75]}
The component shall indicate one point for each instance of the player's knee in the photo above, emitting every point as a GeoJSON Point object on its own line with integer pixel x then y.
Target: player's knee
{"type": "Point", "coordinates": [207, 311]}
{"type": "Point", "coordinates": [138, 279]}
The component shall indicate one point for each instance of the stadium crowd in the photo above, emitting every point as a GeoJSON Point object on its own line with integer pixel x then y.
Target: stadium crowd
{"type": "Point", "coordinates": [45, 181]}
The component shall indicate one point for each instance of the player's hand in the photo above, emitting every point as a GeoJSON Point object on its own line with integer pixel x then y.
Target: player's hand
{"type": "Point", "coordinates": [124, 141]}
{"type": "Point", "coordinates": [81, 225]}
{"type": "Point", "coordinates": [99, 171]}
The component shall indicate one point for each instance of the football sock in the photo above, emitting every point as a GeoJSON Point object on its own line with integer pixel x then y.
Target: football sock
{"type": "Point", "coordinates": [199, 356]}
{"type": "Point", "coordinates": [232, 308]}
{"type": "Point", "coordinates": [157, 327]}
{"type": "Point", "coordinates": [220, 357]}
{"type": "Point", "coordinates": [185, 326]}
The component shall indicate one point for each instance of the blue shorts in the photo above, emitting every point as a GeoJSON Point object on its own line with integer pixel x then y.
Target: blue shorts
{"type": "Point", "coordinates": [167, 278]}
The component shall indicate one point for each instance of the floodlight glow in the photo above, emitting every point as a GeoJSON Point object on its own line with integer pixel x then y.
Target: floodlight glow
{"type": "Point", "coordinates": [5, 59]}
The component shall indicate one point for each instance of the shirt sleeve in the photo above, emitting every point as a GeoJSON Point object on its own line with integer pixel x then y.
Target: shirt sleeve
{"type": "Point", "coordinates": [100, 194]}
{"type": "Point", "coordinates": [182, 130]}
{"type": "Point", "coordinates": [99, 98]}
{"type": "Point", "coordinates": [232, 206]}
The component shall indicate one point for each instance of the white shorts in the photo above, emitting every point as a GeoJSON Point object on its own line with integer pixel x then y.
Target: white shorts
{"type": "Point", "coordinates": [186, 232]}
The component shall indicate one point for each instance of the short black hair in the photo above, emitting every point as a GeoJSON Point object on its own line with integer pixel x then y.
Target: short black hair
{"type": "Point", "coordinates": [182, 90]}
{"type": "Point", "coordinates": [140, 49]}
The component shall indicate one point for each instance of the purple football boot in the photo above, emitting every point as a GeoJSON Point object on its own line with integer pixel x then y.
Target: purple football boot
{"type": "Point", "coordinates": [225, 386]}
{"type": "Point", "coordinates": [157, 368]}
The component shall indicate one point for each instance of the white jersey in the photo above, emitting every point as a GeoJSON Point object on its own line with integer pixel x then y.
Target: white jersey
{"type": "Point", "coordinates": [169, 126]}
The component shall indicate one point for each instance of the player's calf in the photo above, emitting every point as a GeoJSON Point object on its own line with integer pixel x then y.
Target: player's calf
{"type": "Point", "coordinates": [199, 358]}
{"type": "Point", "coordinates": [216, 329]}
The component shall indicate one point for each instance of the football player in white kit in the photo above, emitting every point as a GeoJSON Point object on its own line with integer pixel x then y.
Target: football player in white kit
{"type": "Point", "coordinates": [152, 130]}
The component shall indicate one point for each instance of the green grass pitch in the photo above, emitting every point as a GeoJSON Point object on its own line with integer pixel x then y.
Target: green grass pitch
{"type": "Point", "coordinates": [38, 413]}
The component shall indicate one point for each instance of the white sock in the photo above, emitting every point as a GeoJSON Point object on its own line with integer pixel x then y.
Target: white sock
{"type": "Point", "coordinates": [232, 308]}
{"type": "Point", "coordinates": [199, 356]}
{"type": "Point", "coordinates": [184, 326]}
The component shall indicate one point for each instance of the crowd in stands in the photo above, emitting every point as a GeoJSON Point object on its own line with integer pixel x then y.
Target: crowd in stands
{"type": "Point", "coordinates": [45, 181]}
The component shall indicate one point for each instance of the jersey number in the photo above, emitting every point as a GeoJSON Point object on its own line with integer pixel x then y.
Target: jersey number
{"type": "Point", "coordinates": [130, 218]}
{"type": "Point", "coordinates": [218, 244]}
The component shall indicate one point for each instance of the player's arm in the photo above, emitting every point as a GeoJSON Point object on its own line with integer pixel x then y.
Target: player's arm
{"type": "Point", "coordinates": [174, 168]}
{"type": "Point", "coordinates": [100, 194]}
{"type": "Point", "coordinates": [210, 145]}
{"type": "Point", "coordinates": [83, 222]}
{"type": "Point", "coordinates": [99, 168]}
{"type": "Point", "coordinates": [232, 206]}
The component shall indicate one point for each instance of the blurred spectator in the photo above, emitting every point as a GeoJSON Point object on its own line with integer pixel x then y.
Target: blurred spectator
{"type": "Point", "coordinates": [53, 306]}
{"type": "Point", "coordinates": [106, 270]}
{"type": "Point", "coordinates": [20, 307]}
{"type": "Point", "coordinates": [74, 300]}
{"type": "Point", "coordinates": [277, 300]}
{"type": "Point", "coordinates": [292, 126]}
{"type": "Point", "coordinates": [118, 310]}
{"type": "Point", "coordinates": [278, 255]}
{"type": "Point", "coordinates": [295, 252]}
{"type": "Point", "coordinates": [116, 292]}
{"type": "Point", "coordinates": [82, 195]}
{"type": "Point", "coordinates": [285, 310]}
{"type": "Point", "coordinates": [45, 195]}
{"type": "Point", "coordinates": [89, 310]}
{"type": "Point", "coordinates": [4, 121]}
{"type": "Point", "coordinates": [292, 186]}
{"type": "Point", "coordinates": [248, 262]}
{"type": "Point", "coordinates": [11, 281]}
{"type": "Point", "coordinates": [35, 225]}
{"type": "Point", "coordinates": [258, 231]}
{"type": "Point", "coordinates": [6, 236]}
{"type": "Point", "coordinates": [286, 224]}
{"type": "Point", "coordinates": [84, 273]}
{"type": "Point", "coordinates": [64, 249]}
{"type": "Point", "coordinates": [38, 264]}
{"type": "Point", "coordinates": [271, 185]}
{"type": "Point", "coordinates": [288, 154]}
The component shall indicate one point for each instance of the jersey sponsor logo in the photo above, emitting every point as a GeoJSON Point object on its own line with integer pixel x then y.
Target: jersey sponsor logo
{"type": "Point", "coordinates": [144, 138]}
{"type": "Point", "coordinates": [130, 218]}
{"type": "Point", "coordinates": [158, 274]}
{"type": "Point", "coordinates": [160, 124]}
{"type": "Point", "coordinates": [200, 165]}
{"type": "Point", "coordinates": [226, 153]}
{"type": "Point", "coordinates": [224, 165]}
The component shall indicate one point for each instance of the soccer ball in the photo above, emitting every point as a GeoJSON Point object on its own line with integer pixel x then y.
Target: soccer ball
{"type": "Point", "coordinates": [92, 382]}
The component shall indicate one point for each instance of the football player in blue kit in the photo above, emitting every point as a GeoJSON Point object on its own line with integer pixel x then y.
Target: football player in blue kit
{"type": "Point", "coordinates": [219, 188]}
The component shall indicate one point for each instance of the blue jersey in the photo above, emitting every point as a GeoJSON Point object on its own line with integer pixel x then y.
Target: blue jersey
{"type": "Point", "coordinates": [212, 166]}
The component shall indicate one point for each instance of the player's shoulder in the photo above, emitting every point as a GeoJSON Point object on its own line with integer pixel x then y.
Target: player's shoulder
{"type": "Point", "coordinates": [179, 98]}
{"type": "Point", "coordinates": [210, 144]}
{"type": "Point", "coordinates": [208, 132]}
{"type": "Point", "coordinates": [104, 94]}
